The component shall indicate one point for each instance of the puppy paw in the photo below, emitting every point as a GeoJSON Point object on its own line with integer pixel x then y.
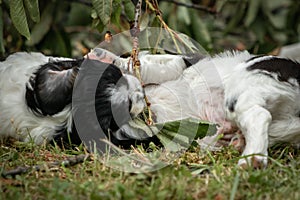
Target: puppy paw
{"type": "Point", "coordinates": [256, 162]}
{"type": "Point", "coordinates": [238, 141]}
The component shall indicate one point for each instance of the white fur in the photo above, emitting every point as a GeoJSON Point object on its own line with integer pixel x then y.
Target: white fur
{"type": "Point", "coordinates": [198, 92]}
{"type": "Point", "coordinates": [134, 93]}
{"type": "Point", "coordinates": [16, 120]}
{"type": "Point", "coordinates": [266, 110]}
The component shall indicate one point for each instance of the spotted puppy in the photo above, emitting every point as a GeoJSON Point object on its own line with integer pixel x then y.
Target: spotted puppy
{"type": "Point", "coordinates": [262, 97]}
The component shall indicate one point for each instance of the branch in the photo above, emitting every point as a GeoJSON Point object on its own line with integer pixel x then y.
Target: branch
{"type": "Point", "coordinates": [66, 163]}
{"type": "Point", "coordinates": [193, 6]}
{"type": "Point", "coordinates": [135, 54]}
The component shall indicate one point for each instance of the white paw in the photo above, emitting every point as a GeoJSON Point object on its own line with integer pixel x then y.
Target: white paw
{"type": "Point", "coordinates": [254, 161]}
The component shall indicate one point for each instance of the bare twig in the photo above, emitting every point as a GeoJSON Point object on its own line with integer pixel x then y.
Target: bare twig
{"type": "Point", "coordinates": [135, 53]}
{"type": "Point", "coordinates": [66, 163]}
{"type": "Point", "coordinates": [193, 6]}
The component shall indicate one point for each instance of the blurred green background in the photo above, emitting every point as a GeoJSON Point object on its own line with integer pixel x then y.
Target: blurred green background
{"type": "Point", "coordinates": [71, 27]}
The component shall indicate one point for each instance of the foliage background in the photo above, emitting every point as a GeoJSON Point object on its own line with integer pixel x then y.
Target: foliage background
{"type": "Point", "coordinates": [72, 27]}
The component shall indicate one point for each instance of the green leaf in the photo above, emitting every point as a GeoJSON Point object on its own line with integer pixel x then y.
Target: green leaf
{"type": "Point", "coordinates": [276, 13]}
{"type": "Point", "coordinates": [278, 36]}
{"type": "Point", "coordinates": [200, 31]}
{"type": "Point", "coordinates": [97, 23]}
{"type": "Point", "coordinates": [41, 29]}
{"type": "Point", "coordinates": [103, 9]}
{"type": "Point", "coordinates": [175, 135]}
{"type": "Point", "coordinates": [18, 17]}
{"type": "Point", "coordinates": [129, 9]}
{"type": "Point", "coordinates": [58, 42]}
{"type": "Point", "coordinates": [173, 22]}
{"type": "Point", "coordinates": [116, 15]}
{"type": "Point", "coordinates": [2, 50]}
{"type": "Point", "coordinates": [220, 5]}
{"type": "Point", "coordinates": [94, 14]}
{"type": "Point", "coordinates": [138, 123]}
{"type": "Point", "coordinates": [184, 15]}
{"type": "Point", "coordinates": [32, 7]}
{"type": "Point", "coordinates": [259, 30]}
{"type": "Point", "coordinates": [252, 11]}
{"type": "Point", "coordinates": [144, 20]}
{"type": "Point", "coordinates": [236, 19]}
{"type": "Point", "coordinates": [63, 46]}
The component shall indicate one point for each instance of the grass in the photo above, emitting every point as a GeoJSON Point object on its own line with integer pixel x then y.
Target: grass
{"type": "Point", "coordinates": [193, 175]}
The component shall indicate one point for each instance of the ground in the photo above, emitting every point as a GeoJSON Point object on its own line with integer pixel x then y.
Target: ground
{"type": "Point", "coordinates": [194, 175]}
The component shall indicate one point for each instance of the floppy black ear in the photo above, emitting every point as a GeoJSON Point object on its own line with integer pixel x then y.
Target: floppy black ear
{"type": "Point", "coordinates": [112, 113]}
{"type": "Point", "coordinates": [97, 115]}
{"type": "Point", "coordinates": [50, 88]}
{"type": "Point", "coordinates": [91, 106]}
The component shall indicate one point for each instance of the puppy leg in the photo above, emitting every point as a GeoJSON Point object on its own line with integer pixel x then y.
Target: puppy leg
{"type": "Point", "coordinates": [254, 123]}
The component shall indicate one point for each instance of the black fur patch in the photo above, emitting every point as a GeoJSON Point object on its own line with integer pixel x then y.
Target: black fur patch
{"type": "Point", "coordinates": [66, 139]}
{"type": "Point", "coordinates": [110, 121]}
{"type": "Point", "coordinates": [284, 68]}
{"type": "Point", "coordinates": [112, 117]}
{"type": "Point", "coordinates": [48, 91]}
{"type": "Point", "coordinates": [231, 104]}
{"type": "Point", "coordinates": [109, 79]}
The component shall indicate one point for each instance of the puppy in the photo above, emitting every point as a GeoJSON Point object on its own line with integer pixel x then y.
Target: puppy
{"type": "Point", "coordinates": [262, 98]}
{"type": "Point", "coordinates": [36, 95]}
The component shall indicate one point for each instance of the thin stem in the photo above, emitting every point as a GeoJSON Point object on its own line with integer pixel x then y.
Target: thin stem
{"type": "Point", "coordinates": [135, 53]}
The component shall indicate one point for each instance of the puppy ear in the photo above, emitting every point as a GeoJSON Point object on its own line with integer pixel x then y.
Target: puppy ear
{"type": "Point", "coordinates": [50, 89]}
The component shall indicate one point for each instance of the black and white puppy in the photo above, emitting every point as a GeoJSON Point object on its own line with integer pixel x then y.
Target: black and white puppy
{"type": "Point", "coordinates": [36, 97]}
{"type": "Point", "coordinates": [257, 95]}
{"type": "Point", "coordinates": [262, 98]}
